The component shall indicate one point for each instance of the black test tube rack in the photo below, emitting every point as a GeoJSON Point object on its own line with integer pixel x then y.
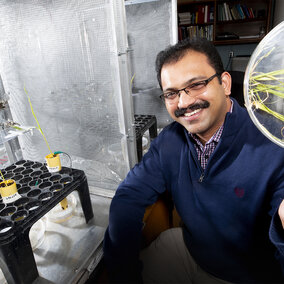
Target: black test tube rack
{"type": "Point", "coordinates": [40, 191]}
{"type": "Point", "coordinates": [142, 123]}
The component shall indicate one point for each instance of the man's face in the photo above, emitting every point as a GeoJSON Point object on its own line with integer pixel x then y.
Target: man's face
{"type": "Point", "coordinates": [194, 67]}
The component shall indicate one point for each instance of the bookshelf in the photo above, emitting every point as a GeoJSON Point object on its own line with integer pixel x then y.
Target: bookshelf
{"type": "Point", "coordinates": [225, 22]}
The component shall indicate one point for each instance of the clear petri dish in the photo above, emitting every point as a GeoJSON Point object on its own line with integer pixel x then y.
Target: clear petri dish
{"type": "Point", "coordinates": [264, 85]}
{"type": "Point", "coordinates": [2, 277]}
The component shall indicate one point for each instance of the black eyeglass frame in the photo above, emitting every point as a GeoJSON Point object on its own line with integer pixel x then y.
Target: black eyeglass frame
{"type": "Point", "coordinates": [205, 82]}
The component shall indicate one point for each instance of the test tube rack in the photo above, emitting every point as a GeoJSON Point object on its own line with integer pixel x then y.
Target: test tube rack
{"type": "Point", "coordinates": [142, 123]}
{"type": "Point", "coordinates": [40, 191]}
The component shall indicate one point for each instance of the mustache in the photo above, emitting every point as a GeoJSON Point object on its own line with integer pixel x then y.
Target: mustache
{"type": "Point", "coordinates": [182, 111]}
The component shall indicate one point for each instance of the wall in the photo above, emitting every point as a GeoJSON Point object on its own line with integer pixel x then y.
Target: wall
{"type": "Point", "coordinates": [238, 50]}
{"type": "Point", "coordinates": [278, 12]}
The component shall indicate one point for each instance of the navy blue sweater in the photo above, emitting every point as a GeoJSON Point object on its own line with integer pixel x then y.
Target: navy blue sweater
{"type": "Point", "coordinates": [231, 225]}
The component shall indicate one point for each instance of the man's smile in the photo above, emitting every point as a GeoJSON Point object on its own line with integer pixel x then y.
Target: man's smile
{"type": "Point", "coordinates": [191, 110]}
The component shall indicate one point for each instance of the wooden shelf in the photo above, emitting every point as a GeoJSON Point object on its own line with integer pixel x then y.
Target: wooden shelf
{"type": "Point", "coordinates": [260, 23]}
{"type": "Point", "coordinates": [241, 21]}
{"type": "Point", "coordinates": [236, 41]}
{"type": "Point", "coordinates": [185, 2]}
{"type": "Point", "coordinates": [203, 24]}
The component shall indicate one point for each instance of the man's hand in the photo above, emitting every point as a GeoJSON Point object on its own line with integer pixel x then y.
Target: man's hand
{"type": "Point", "coordinates": [281, 213]}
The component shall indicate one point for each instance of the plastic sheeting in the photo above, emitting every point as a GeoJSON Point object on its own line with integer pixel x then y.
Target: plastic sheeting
{"type": "Point", "coordinates": [66, 55]}
{"type": "Point", "coordinates": [150, 28]}
{"type": "Point", "coordinates": [263, 85]}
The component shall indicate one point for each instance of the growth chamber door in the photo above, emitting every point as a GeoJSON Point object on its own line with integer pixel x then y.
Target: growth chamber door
{"type": "Point", "coordinates": [70, 59]}
{"type": "Point", "coordinates": [151, 27]}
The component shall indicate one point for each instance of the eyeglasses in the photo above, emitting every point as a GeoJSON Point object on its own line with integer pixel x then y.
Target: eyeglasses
{"type": "Point", "coordinates": [194, 90]}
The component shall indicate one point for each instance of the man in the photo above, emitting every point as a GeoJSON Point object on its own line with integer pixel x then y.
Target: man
{"type": "Point", "coordinates": [226, 180]}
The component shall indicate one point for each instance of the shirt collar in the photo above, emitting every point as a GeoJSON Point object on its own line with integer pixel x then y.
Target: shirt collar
{"type": "Point", "coordinates": [216, 136]}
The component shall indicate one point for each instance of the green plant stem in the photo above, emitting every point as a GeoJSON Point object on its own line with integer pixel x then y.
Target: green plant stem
{"type": "Point", "coordinates": [39, 128]}
{"type": "Point", "coordinates": [259, 105]}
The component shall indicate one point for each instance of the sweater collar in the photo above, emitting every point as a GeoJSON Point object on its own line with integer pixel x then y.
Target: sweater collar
{"type": "Point", "coordinates": [216, 136]}
{"type": "Point", "coordinates": [233, 121]}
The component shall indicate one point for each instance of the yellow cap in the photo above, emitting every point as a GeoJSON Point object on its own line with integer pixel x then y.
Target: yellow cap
{"type": "Point", "coordinates": [53, 163]}
{"type": "Point", "coordinates": [8, 188]}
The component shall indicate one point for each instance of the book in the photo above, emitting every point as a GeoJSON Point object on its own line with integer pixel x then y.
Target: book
{"type": "Point", "coordinates": [206, 14]}
{"type": "Point", "coordinates": [245, 10]}
{"type": "Point", "coordinates": [234, 13]}
{"type": "Point", "coordinates": [226, 11]}
{"type": "Point", "coordinates": [211, 14]}
{"type": "Point", "coordinates": [239, 8]}
{"type": "Point", "coordinates": [229, 12]}
{"type": "Point", "coordinates": [251, 13]}
{"type": "Point", "coordinates": [200, 14]}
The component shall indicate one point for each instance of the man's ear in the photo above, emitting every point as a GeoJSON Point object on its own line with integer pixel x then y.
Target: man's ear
{"type": "Point", "coordinates": [226, 82]}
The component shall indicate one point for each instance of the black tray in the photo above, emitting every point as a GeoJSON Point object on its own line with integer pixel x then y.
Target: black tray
{"type": "Point", "coordinates": [143, 123]}
{"type": "Point", "coordinates": [40, 191]}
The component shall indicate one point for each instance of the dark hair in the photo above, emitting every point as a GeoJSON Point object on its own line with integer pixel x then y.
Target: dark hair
{"type": "Point", "coordinates": [176, 52]}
